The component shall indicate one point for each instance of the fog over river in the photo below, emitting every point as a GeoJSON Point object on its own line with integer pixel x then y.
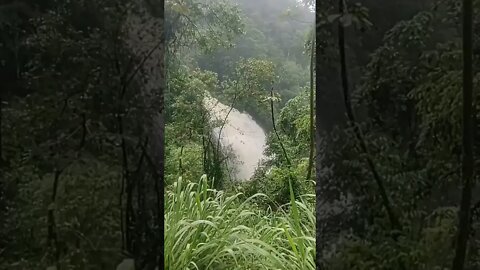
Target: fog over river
{"type": "Point", "coordinates": [241, 134]}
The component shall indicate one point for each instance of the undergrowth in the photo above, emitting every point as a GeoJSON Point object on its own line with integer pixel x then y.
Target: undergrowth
{"type": "Point", "coordinates": [211, 229]}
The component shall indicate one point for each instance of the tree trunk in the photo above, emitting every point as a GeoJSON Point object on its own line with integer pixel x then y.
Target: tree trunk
{"type": "Point", "coordinates": [468, 163]}
{"type": "Point", "coordinates": [318, 178]}
{"type": "Point", "coordinates": [312, 109]}
{"type": "Point", "coordinates": [1, 118]}
{"type": "Point", "coordinates": [151, 72]}
{"type": "Point", "coordinates": [272, 111]}
{"type": "Point", "coordinates": [352, 122]}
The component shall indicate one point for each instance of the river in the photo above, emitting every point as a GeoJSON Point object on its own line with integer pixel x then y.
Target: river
{"type": "Point", "coordinates": [241, 134]}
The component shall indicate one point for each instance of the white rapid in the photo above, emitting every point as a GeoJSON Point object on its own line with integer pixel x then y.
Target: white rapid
{"type": "Point", "coordinates": [241, 134]}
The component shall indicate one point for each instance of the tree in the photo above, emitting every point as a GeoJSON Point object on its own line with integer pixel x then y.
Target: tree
{"type": "Point", "coordinates": [312, 108]}
{"type": "Point", "coordinates": [72, 126]}
{"type": "Point", "coordinates": [352, 121]}
{"type": "Point", "coordinates": [468, 135]}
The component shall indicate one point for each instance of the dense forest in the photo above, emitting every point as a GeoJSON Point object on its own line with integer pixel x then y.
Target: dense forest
{"type": "Point", "coordinates": [182, 134]}
{"type": "Point", "coordinates": [253, 60]}
{"type": "Point", "coordinates": [81, 135]}
{"type": "Point", "coordinates": [82, 143]}
{"type": "Point", "coordinates": [396, 171]}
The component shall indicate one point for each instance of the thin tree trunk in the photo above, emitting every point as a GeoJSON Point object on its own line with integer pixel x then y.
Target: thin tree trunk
{"type": "Point", "coordinates": [312, 109]}
{"type": "Point", "coordinates": [180, 165]}
{"type": "Point", "coordinates": [352, 122]}
{"type": "Point", "coordinates": [318, 181]}
{"type": "Point", "coordinates": [468, 162]}
{"type": "Point", "coordinates": [1, 118]}
{"type": "Point", "coordinates": [52, 226]}
{"type": "Point", "coordinates": [2, 186]}
{"type": "Point", "coordinates": [275, 128]}
{"type": "Point", "coordinates": [224, 123]}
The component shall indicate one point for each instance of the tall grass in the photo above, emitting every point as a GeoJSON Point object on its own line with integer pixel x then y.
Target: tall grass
{"type": "Point", "coordinates": [209, 229]}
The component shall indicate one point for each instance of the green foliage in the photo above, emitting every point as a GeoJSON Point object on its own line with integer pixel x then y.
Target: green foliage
{"type": "Point", "coordinates": [207, 24]}
{"type": "Point", "coordinates": [87, 216]}
{"type": "Point", "coordinates": [210, 224]}
{"type": "Point", "coordinates": [273, 177]}
{"type": "Point", "coordinates": [79, 109]}
{"type": "Point", "coordinates": [252, 82]}
{"type": "Point", "coordinates": [293, 119]}
{"type": "Point", "coordinates": [429, 248]}
{"type": "Point", "coordinates": [275, 183]}
{"type": "Point", "coordinates": [209, 229]}
{"type": "Point", "coordinates": [272, 36]}
{"type": "Point", "coordinates": [408, 102]}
